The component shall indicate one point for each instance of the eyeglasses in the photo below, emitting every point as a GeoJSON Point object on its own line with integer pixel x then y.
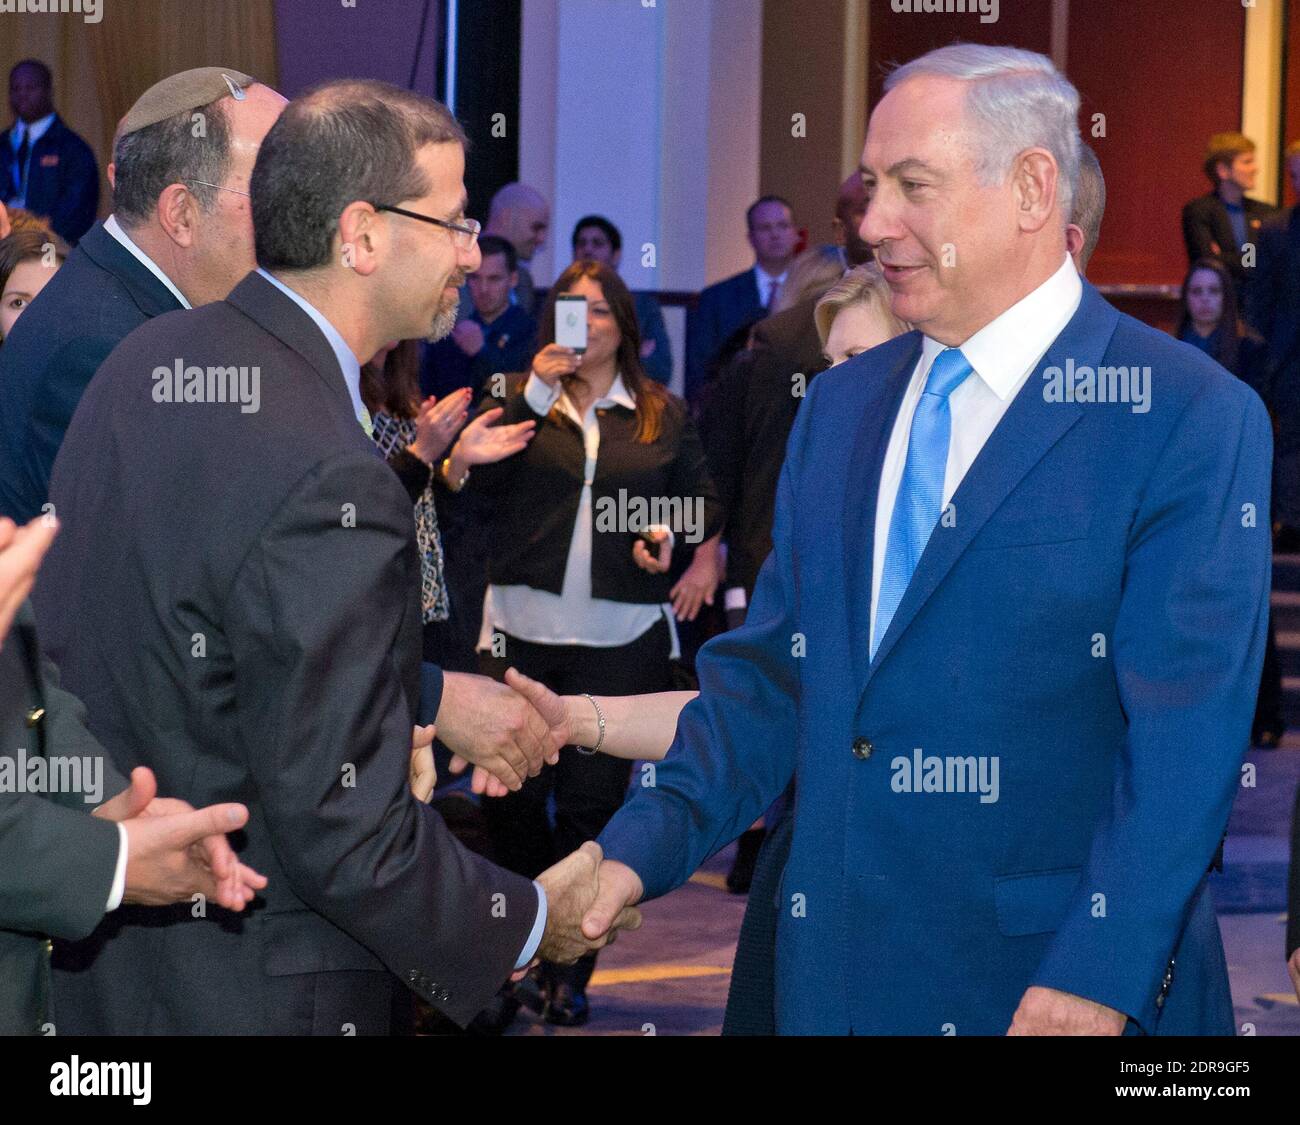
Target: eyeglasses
{"type": "Point", "coordinates": [219, 187]}
{"type": "Point", "coordinates": [463, 234]}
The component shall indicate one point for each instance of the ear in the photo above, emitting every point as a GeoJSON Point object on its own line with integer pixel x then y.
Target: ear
{"type": "Point", "coordinates": [1036, 181]}
{"type": "Point", "coordinates": [514, 279]}
{"type": "Point", "coordinates": [178, 213]}
{"type": "Point", "coordinates": [361, 238]}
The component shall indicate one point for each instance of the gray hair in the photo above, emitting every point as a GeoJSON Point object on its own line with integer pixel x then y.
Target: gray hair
{"type": "Point", "coordinates": [169, 152]}
{"type": "Point", "coordinates": [1016, 100]}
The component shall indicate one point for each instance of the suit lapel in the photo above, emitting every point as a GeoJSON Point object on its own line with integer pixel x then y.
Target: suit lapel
{"type": "Point", "coordinates": [150, 295]}
{"type": "Point", "coordinates": [264, 304]}
{"type": "Point", "coordinates": [869, 446]}
{"type": "Point", "coordinates": [1029, 428]}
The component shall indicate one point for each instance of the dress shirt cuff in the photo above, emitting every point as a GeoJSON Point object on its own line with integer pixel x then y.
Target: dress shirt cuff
{"type": "Point", "coordinates": [734, 598]}
{"type": "Point", "coordinates": [539, 396]}
{"type": "Point", "coordinates": [119, 876]}
{"type": "Point", "coordinates": [539, 928]}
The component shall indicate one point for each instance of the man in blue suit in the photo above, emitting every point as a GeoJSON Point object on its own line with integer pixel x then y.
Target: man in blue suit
{"type": "Point", "coordinates": [1011, 629]}
{"type": "Point", "coordinates": [44, 166]}
{"type": "Point", "coordinates": [737, 301]}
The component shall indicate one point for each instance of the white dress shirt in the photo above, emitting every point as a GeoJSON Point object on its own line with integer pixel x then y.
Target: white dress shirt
{"type": "Point", "coordinates": [765, 280]}
{"type": "Point", "coordinates": [1003, 354]}
{"type": "Point", "coordinates": [114, 228]}
{"type": "Point", "coordinates": [573, 616]}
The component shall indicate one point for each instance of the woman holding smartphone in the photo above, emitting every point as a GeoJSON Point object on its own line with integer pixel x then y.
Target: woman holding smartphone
{"type": "Point", "coordinates": [579, 592]}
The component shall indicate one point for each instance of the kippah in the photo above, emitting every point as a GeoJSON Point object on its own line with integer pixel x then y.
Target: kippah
{"type": "Point", "coordinates": [188, 90]}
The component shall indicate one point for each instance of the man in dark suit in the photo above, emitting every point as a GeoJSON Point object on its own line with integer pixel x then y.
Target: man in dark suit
{"type": "Point", "coordinates": [1273, 309]}
{"type": "Point", "coordinates": [76, 840]}
{"type": "Point", "coordinates": [270, 610]}
{"type": "Point", "coordinates": [496, 337]}
{"type": "Point", "coordinates": [1224, 223]}
{"type": "Point", "coordinates": [520, 214]}
{"type": "Point", "coordinates": [976, 569]}
{"type": "Point", "coordinates": [728, 305]}
{"type": "Point", "coordinates": [44, 166]}
{"type": "Point", "coordinates": [173, 241]}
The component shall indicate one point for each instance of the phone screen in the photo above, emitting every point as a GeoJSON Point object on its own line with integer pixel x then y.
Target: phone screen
{"type": "Point", "coordinates": [571, 323]}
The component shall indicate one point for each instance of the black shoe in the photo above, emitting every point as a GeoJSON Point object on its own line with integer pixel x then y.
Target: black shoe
{"type": "Point", "coordinates": [534, 990]}
{"type": "Point", "coordinates": [497, 1016]}
{"type": "Point", "coordinates": [742, 869]}
{"type": "Point", "coordinates": [568, 1005]}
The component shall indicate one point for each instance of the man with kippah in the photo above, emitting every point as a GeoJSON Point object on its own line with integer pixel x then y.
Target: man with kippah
{"type": "Point", "coordinates": [180, 235]}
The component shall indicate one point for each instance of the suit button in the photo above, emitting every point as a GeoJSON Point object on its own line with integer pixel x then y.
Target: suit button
{"type": "Point", "coordinates": [35, 715]}
{"type": "Point", "coordinates": [862, 748]}
{"type": "Point", "coordinates": [48, 946]}
{"type": "Point", "coordinates": [413, 976]}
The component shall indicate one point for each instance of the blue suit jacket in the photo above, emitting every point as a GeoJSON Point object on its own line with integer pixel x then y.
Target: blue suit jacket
{"type": "Point", "coordinates": [94, 301]}
{"type": "Point", "coordinates": [1093, 621]}
{"type": "Point", "coordinates": [62, 180]}
{"type": "Point", "coordinates": [723, 308]}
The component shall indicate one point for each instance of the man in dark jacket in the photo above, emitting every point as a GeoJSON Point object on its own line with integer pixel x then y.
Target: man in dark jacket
{"type": "Point", "coordinates": [1224, 223]}
{"type": "Point", "coordinates": [44, 166]}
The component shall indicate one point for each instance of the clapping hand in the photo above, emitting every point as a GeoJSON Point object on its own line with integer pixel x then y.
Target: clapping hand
{"type": "Point", "coordinates": [21, 552]}
{"type": "Point", "coordinates": [482, 443]}
{"type": "Point", "coordinates": [437, 424]}
{"type": "Point", "coordinates": [175, 851]}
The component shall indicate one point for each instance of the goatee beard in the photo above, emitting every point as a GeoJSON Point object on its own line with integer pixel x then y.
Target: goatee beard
{"type": "Point", "coordinates": [444, 322]}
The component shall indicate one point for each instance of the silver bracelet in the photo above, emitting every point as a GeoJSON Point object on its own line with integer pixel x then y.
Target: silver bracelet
{"type": "Point", "coordinates": [600, 718]}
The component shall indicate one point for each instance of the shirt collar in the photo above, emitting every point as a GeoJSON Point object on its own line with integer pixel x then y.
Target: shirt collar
{"type": "Point", "coordinates": [1007, 349]}
{"type": "Point", "coordinates": [113, 228]}
{"type": "Point", "coordinates": [763, 276]}
{"type": "Point", "coordinates": [33, 132]}
{"type": "Point", "coordinates": [617, 395]}
{"type": "Point", "coordinates": [348, 363]}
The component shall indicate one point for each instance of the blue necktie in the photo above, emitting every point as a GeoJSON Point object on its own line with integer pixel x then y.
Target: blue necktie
{"type": "Point", "coordinates": [920, 491]}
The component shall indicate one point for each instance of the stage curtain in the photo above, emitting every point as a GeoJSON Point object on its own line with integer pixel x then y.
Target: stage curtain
{"type": "Point", "coordinates": [100, 69]}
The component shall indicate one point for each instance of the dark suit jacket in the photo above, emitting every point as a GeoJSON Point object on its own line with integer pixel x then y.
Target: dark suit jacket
{"type": "Point", "coordinates": [56, 860]}
{"type": "Point", "coordinates": [236, 597]}
{"type": "Point", "coordinates": [747, 419]}
{"type": "Point", "coordinates": [722, 308]}
{"type": "Point", "coordinates": [62, 180]}
{"type": "Point", "coordinates": [1273, 308]}
{"type": "Point", "coordinates": [1206, 225]}
{"type": "Point", "coordinates": [509, 344]}
{"type": "Point", "coordinates": [85, 311]}
{"type": "Point", "coordinates": [533, 498]}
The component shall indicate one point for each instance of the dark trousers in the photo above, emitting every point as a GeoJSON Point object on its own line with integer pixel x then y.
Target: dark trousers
{"type": "Point", "coordinates": [588, 789]}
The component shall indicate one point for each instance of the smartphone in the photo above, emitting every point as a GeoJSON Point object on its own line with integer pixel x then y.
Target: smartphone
{"type": "Point", "coordinates": [571, 323]}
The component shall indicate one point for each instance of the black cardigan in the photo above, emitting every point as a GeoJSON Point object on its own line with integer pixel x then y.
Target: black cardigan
{"type": "Point", "coordinates": [533, 497]}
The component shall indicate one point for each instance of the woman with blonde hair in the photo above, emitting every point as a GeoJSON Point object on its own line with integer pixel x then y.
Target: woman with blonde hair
{"type": "Point", "coordinates": [854, 315]}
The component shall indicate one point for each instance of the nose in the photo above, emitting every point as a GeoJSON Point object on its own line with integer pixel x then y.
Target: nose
{"type": "Point", "coordinates": [877, 224]}
{"type": "Point", "coordinates": [472, 258]}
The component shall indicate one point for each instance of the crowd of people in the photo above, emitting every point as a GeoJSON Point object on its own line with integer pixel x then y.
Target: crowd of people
{"type": "Point", "coordinates": [252, 605]}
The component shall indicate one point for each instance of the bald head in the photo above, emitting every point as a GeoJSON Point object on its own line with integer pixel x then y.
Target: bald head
{"type": "Point", "coordinates": [520, 215]}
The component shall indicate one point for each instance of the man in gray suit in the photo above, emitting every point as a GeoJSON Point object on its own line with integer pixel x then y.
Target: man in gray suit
{"type": "Point", "coordinates": [64, 862]}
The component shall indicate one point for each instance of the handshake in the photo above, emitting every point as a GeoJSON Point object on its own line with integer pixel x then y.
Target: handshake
{"type": "Point", "coordinates": [588, 900]}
